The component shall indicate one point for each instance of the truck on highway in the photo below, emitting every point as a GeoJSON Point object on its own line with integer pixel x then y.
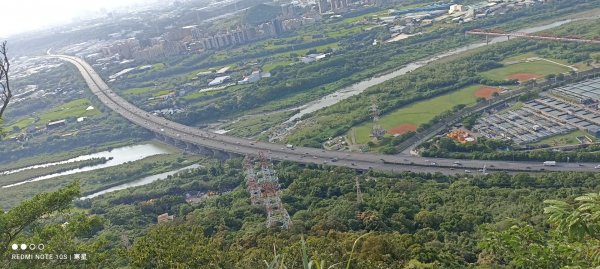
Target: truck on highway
{"type": "Point", "coordinates": [290, 146]}
{"type": "Point", "coordinates": [549, 163]}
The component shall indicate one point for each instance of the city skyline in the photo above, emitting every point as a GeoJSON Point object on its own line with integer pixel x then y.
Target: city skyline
{"type": "Point", "coordinates": [31, 15]}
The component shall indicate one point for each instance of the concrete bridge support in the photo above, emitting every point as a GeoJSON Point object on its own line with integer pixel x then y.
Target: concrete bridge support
{"type": "Point", "coordinates": [221, 155]}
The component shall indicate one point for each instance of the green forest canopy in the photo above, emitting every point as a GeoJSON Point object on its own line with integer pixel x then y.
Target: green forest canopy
{"type": "Point", "coordinates": [408, 221]}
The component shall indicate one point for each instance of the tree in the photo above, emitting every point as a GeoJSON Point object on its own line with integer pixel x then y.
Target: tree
{"type": "Point", "coordinates": [6, 93]}
{"type": "Point", "coordinates": [572, 242]}
{"type": "Point", "coordinates": [15, 220]}
{"type": "Point", "coordinates": [173, 245]}
{"type": "Point", "coordinates": [576, 222]}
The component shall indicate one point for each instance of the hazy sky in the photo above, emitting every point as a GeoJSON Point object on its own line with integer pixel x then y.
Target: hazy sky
{"type": "Point", "coordinates": [25, 15]}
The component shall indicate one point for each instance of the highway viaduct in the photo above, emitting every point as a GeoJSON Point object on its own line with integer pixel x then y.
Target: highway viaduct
{"type": "Point", "coordinates": [219, 145]}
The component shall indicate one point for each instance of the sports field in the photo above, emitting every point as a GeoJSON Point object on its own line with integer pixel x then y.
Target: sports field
{"type": "Point", "coordinates": [411, 116]}
{"type": "Point", "coordinates": [525, 71]}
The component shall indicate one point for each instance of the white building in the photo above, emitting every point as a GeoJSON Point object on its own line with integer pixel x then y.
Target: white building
{"type": "Point", "coordinates": [254, 77]}
{"type": "Point", "coordinates": [456, 8]}
{"type": "Point", "coordinates": [219, 80]}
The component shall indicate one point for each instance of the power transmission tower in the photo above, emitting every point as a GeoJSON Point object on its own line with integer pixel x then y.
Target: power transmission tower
{"type": "Point", "coordinates": [263, 186]}
{"type": "Point", "coordinates": [359, 197]}
{"type": "Point", "coordinates": [377, 131]}
{"type": "Point", "coordinates": [277, 215]}
{"type": "Point", "coordinates": [251, 182]}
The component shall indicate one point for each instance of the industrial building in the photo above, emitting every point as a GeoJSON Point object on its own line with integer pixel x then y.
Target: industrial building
{"type": "Point", "coordinates": [56, 124]}
{"type": "Point", "coordinates": [586, 92]}
{"type": "Point", "coordinates": [565, 109]}
{"type": "Point", "coordinates": [219, 80]}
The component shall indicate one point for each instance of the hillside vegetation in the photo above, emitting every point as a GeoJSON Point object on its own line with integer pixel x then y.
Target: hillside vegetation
{"type": "Point", "coordinates": [405, 220]}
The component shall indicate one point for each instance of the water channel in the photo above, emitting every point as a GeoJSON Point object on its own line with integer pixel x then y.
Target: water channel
{"type": "Point", "coordinates": [360, 87]}
{"type": "Point", "coordinates": [119, 156]}
{"type": "Point", "coordinates": [140, 182]}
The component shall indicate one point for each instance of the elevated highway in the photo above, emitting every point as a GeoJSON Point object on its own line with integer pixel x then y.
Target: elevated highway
{"type": "Point", "coordinates": [224, 145]}
{"type": "Point", "coordinates": [532, 36]}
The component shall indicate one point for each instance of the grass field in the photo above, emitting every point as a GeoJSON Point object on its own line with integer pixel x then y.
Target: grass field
{"type": "Point", "coordinates": [161, 93]}
{"type": "Point", "coordinates": [284, 55]}
{"type": "Point", "coordinates": [565, 139]}
{"type": "Point", "coordinates": [519, 57]}
{"type": "Point", "coordinates": [270, 66]}
{"type": "Point", "coordinates": [252, 126]}
{"type": "Point", "coordinates": [75, 108]}
{"type": "Point", "coordinates": [136, 91]}
{"type": "Point", "coordinates": [541, 68]}
{"type": "Point", "coordinates": [21, 123]}
{"type": "Point", "coordinates": [158, 66]}
{"type": "Point", "coordinates": [420, 112]}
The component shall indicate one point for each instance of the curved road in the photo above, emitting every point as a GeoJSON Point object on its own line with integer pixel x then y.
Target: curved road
{"type": "Point", "coordinates": [242, 146]}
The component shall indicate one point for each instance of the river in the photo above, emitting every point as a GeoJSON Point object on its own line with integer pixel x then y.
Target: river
{"type": "Point", "coordinates": [119, 156]}
{"type": "Point", "coordinates": [360, 87]}
{"type": "Point", "coordinates": [140, 182]}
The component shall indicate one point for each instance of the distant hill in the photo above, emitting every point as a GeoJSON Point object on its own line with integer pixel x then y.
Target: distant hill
{"type": "Point", "coordinates": [260, 13]}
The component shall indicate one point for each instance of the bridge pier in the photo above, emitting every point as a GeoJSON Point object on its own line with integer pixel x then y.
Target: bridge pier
{"type": "Point", "coordinates": [204, 151]}
{"type": "Point", "coordinates": [179, 143]}
{"type": "Point", "coordinates": [168, 140]}
{"type": "Point", "coordinates": [220, 154]}
{"type": "Point", "coordinates": [191, 147]}
{"type": "Point", "coordinates": [159, 137]}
